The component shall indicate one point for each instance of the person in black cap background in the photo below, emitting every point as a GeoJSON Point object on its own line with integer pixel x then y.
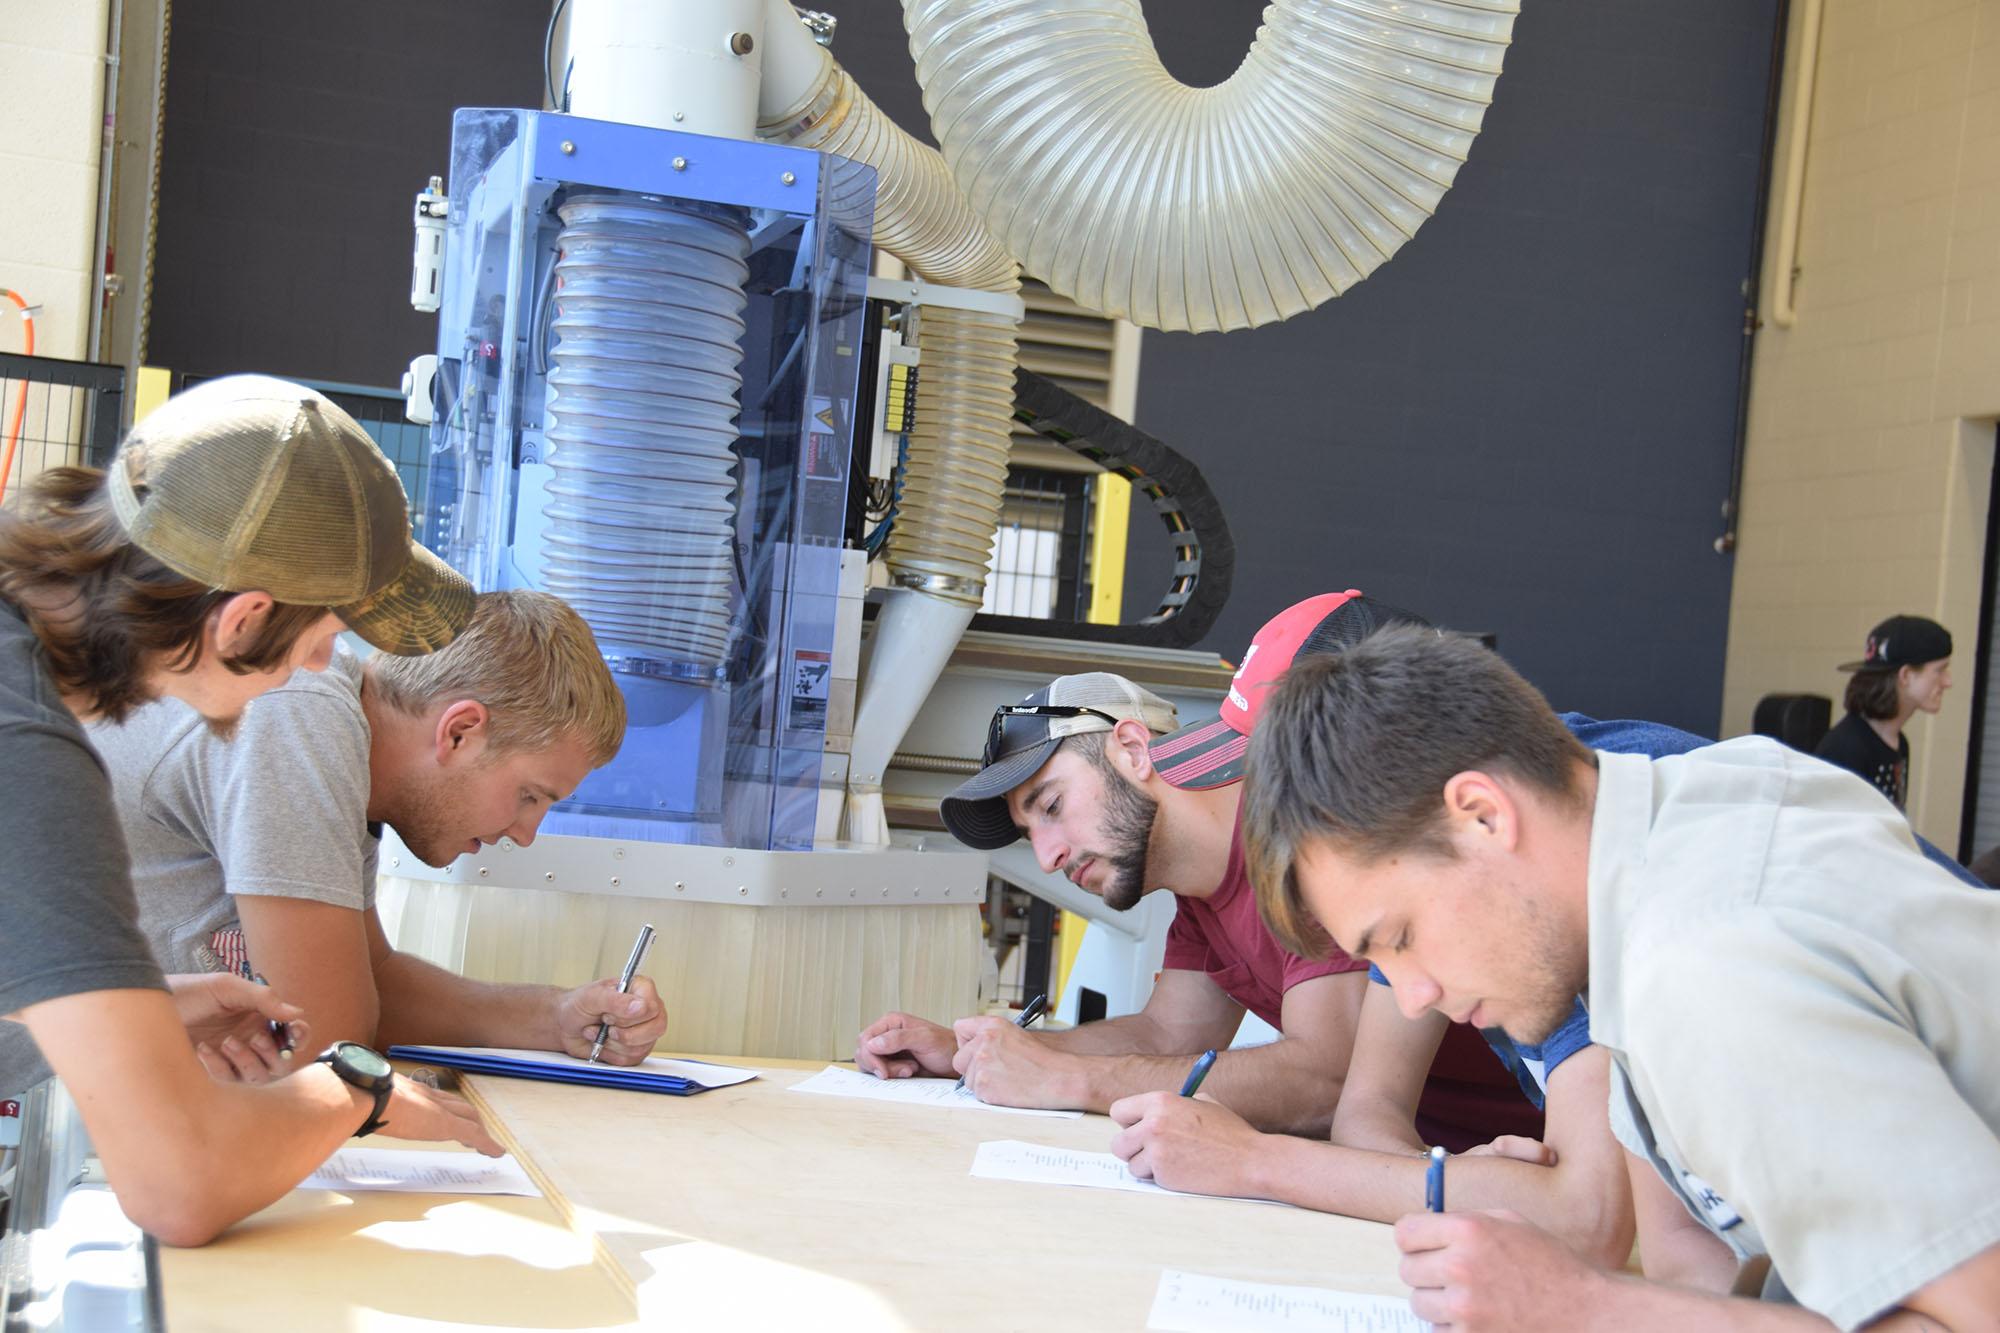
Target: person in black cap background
{"type": "Point", "coordinates": [1905, 670]}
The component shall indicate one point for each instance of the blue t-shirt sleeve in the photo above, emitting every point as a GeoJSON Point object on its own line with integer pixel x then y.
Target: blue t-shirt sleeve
{"type": "Point", "coordinates": [1937, 855]}
{"type": "Point", "coordinates": [1375, 975]}
{"type": "Point", "coordinates": [1565, 1041]}
{"type": "Point", "coordinates": [1624, 736]}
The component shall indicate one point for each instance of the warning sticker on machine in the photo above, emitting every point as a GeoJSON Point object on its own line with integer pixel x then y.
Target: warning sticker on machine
{"type": "Point", "coordinates": [826, 458]}
{"type": "Point", "coordinates": [812, 686]}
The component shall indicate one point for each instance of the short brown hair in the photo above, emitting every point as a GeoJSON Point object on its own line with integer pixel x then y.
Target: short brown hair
{"type": "Point", "coordinates": [1355, 749]}
{"type": "Point", "coordinates": [1875, 694]}
{"type": "Point", "coordinates": [126, 614]}
{"type": "Point", "coordinates": [532, 661]}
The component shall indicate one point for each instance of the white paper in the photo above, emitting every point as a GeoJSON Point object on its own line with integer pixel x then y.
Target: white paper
{"type": "Point", "coordinates": [1192, 1303]}
{"type": "Point", "coordinates": [419, 1172]}
{"type": "Point", "coordinates": [1037, 1163]}
{"type": "Point", "coordinates": [834, 1081]}
{"type": "Point", "coordinates": [695, 1071]}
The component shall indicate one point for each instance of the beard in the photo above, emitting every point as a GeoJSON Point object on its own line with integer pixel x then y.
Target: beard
{"type": "Point", "coordinates": [424, 820]}
{"type": "Point", "coordinates": [1128, 823]}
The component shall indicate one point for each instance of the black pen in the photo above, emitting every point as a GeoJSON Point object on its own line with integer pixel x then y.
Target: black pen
{"type": "Point", "coordinates": [281, 1033]}
{"type": "Point", "coordinates": [1030, 1011]}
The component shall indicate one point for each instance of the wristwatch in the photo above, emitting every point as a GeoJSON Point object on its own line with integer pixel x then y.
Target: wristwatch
{"type": "Point", "coordinates": [362, 1068]}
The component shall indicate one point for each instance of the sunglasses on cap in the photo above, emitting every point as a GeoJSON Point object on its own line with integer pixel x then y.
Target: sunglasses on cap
{"type": "Point", "coordinates": [1016, 727]}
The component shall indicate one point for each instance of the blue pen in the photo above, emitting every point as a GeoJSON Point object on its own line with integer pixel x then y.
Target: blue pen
{"type": "Point", "coordinates": [1198, 1073]}
{"type": "Point", "coordinates": [1434, 1182]}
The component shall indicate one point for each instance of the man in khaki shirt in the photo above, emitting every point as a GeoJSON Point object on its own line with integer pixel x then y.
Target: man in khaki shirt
{"type": "Point", "coordinates": [1802, 1012]}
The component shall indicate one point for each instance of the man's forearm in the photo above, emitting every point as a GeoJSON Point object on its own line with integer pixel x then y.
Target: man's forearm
{"type": "Point", "coordinates": [1128, 1034]}
{"type": "Point", "coordinates": [1634, 1305]}
{"type": "Point", "coordinates": [1381, 1187]}
{"type": "Point", "coordinates": [425, 1004]}
{"type": "Point", "coordinates": [1275, 1089]}
{"type": "Point", "coordinates": [1374, 1125]}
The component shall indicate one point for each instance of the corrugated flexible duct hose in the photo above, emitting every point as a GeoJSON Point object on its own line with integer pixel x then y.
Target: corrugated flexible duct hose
{"type": "Point", "coordinates": [957, 469]}
{"type": "Point", "coordinates": [1206, 208]}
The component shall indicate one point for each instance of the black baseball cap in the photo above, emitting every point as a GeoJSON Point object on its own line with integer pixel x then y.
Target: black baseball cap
{"type": "Point", "coordinates": [1902, 641]}
{"type": "Point", "coordinates": [1023, 736]}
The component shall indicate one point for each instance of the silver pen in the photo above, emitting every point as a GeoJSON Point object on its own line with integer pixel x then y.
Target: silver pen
{"type": "Point", "coordinates": [639, 947]}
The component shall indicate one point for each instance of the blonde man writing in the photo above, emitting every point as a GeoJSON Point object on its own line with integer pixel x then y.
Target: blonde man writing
{"type": "Point", "coordinates": [257, 855]}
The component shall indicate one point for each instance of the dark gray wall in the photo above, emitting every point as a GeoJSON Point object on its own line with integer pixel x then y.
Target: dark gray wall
{"type": "Point", "coordinates": [1523, 422]}
{"type": "Point", "coordinates": [296, 137]}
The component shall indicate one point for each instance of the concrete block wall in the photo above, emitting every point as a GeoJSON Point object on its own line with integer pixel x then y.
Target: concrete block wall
{"type": "Point", "coordinates": [1869, 461]}
{"type": "Point", "coordinates": [52, 67]}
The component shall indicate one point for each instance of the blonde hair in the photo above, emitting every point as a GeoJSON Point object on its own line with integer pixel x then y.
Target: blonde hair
{"type": "Point", "coordinates": [534, 664]}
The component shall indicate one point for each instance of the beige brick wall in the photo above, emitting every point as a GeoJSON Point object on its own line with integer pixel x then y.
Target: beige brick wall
{"type": "Point", "coordinates": [1870, 452]}
{"type": "Point", "coordinates": [52, 68]}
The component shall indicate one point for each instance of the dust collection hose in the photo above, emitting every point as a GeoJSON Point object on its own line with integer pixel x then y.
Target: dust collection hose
{"type": "Point", "coordinates": [642, 413]}
{"type": "Point", "coordinates": [950, 506]}
{"type": "Point", "coordinates": [1206, 208]}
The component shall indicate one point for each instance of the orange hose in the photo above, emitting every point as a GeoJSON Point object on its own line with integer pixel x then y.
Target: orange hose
{"type": "Point", "coordinates": [20, 396]}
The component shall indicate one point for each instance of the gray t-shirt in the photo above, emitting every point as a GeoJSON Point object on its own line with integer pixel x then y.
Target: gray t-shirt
{"type": "Point", "coordinates": [282, 809]}
{"type": "Point", "coordinates": [67, 920]}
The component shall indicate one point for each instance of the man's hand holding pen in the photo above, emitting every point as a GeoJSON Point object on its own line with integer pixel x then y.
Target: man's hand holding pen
{"type": "Point", "coordinates": [635, 1019]}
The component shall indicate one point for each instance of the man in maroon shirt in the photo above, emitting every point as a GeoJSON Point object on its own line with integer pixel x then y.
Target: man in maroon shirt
{"type": "Point", "coordinates": [1085, 770]}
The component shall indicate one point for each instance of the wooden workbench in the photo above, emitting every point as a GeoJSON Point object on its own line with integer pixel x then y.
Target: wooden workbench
{"type": "Point", "coordinates": [758, 1206]}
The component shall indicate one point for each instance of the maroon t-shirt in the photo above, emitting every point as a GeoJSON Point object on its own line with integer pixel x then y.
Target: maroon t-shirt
{"type": "Point", "coordinates": [1470, 1097]}
{"type": "Point", "coordinates": [1222, 937]}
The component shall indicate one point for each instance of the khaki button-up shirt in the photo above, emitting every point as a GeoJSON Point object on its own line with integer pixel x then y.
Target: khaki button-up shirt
{"type": "Point", "coordinates": [1804, 1019]}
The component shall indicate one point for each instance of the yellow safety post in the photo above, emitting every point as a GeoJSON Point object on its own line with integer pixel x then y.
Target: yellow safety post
{"type": "Point", "coordinates": [1111, 513]}
{"type": "Point", "coordinates": [155, 386]}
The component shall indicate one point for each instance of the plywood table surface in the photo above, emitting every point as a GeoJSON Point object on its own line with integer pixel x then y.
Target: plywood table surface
{"type": "Point", "coordinates": [379, 1262]}
{"type": "Point", "coordinates": [770, 1208]}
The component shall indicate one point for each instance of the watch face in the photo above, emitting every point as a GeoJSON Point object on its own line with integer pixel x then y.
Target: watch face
{"type": "Point", "coordinates": [363, 1061]}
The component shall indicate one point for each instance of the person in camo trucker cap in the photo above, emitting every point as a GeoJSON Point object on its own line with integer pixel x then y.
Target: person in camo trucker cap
{"type": "Point", "coordinates": [236, 530]}
{"type": "Point", "coordinates": [253, 482]}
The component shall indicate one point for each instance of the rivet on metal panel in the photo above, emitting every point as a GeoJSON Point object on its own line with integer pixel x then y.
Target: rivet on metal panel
{"type": "Point", "coordinates": [680, 164]}
{"type": "Point", "coordinates": [614, 881]}
{"type": "Point", "coordinates": [784, 893]}
{"type": "Point", "coordinates": [569, 149]}
{"type": "Point", "coordinates": [788, 179]}
{"type": "Point", "coordinates": [549, 875]}
{"type": "Point", "coordinates": [743, 890]}
{"type": "Point", "coordinates": [483, 872]}
{"type": "Point", "coordinates": [395, 860]}
{"type": "Point", "coordinates": [618, 853]}
{"type": "Point", "coordinates": [679, 887]}
{"type": "Point", "coordinates": [851, 893]}
{"type": "Point", "coordinates": [819, 893]}
{"type": "Point", "coordinates": [742, 43]}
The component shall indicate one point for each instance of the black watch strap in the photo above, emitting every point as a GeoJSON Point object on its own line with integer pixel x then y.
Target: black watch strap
{"type": "Point", "coordinates": [381, 1086]}
{"type": "Point", "coordinates": [376, 1119]}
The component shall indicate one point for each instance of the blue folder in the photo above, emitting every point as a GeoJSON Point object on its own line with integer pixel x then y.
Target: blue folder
{"type": "Point", "coordinates": [679, 1078]}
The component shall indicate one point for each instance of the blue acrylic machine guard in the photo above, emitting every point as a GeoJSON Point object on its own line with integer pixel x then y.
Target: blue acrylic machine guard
{"type": "Point", "coordinates": [605, 285]}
